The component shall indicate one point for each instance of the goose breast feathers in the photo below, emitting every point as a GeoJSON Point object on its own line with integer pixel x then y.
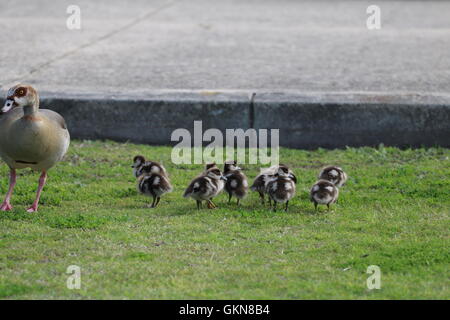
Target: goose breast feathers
{"type": "Point", "coordinates": [37, 141]}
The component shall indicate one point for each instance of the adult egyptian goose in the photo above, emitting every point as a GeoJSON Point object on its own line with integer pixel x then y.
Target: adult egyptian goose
{"type": "Point", "coordinates": [30, 138]}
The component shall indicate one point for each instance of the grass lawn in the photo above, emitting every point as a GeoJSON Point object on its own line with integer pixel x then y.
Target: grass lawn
{"type": "Point", "coordinates": [393, 213]}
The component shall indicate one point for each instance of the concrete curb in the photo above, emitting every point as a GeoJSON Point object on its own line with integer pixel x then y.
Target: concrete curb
{"type": "Point", "coordinates": [305, 120]}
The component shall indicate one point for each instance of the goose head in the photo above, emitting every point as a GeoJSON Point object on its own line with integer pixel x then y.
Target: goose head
{"type": "Point", "coordinates": [21, 96]}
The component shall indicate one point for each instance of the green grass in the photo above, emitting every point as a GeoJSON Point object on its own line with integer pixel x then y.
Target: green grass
{"type": "Point", "coordinates": [393, 212]}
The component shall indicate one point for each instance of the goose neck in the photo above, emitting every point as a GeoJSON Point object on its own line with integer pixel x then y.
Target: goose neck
{"type": "Point", "coordinates": [31, 109]}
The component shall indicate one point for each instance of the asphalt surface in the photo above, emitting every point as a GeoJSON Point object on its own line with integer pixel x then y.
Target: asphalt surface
{"type": "Point", "coordinates": [137, 70]}
{"type": "Point", "coordinates": [141, 47]}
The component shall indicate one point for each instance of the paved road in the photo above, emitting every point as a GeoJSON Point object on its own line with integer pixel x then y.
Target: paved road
{"type": "Point", "coordinates": [139, 47]}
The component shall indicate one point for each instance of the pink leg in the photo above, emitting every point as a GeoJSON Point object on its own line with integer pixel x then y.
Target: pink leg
{"type": "Point", "coordinates": [42, 180]}
{"type": "Point", "coordinates": [6, 206]}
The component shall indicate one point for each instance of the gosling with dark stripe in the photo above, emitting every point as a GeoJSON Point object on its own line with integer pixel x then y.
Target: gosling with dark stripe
{"type": "Point", "coordinates": [205, 187]}
{"type": "Point", "coordinates": [324, 192]}
{"type": "Point", "coordinates": [334, 174]}
{"type": "Point", "coordinates": [236, 184]}
{"type": "Point", "coordinates": [266, 175]}
{"type": "Point", "coordinates": [153, 184]}
{"type": "Point", "coordinates": [150, 166]}
{"type": "Point", "coordinates": [281, 188]}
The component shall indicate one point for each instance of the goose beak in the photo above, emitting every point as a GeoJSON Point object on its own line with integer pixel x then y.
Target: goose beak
{"type": "Point", "coordinates": [223, 178]}
{"type": "Point", "coordinates": [9, 103]}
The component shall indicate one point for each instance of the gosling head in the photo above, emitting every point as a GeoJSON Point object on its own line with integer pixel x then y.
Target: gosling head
{"type": "Point", "coordinates": [215, 174]}
{"type": "Point", "coordinates": [20, 96]}
{"type": "Point", "coordinates": [138, 162]}
{"type": "Point", "coordinates": [283, 171]}
{"type": "Point", "coordinates": [230, 166]}
{"type": "Point", "coordinates": [210, 165]}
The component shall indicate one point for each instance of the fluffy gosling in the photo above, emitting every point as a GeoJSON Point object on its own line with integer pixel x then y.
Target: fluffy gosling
{"type": "Point", "coordinates": [154, 167]}
{"type": "Point", "coordinates": [265, 176]}
{"type": "Point", "coordinates": [324, 192]}
{"type": "Point", "coordinates": [260, 183]}
{"type": "Point", "coordinates": [153, 184]}
{"type": "Point", "coordinates": [236, 184]}
{"type": "Point", "coordinates": [281, 188]}
{"type": "Point", "coordinates": [334, 174]}
{"type": "Point", "coordinates": [205, 187]}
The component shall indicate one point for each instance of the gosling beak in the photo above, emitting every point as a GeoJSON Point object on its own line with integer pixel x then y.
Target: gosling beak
{"type": "Point", "coordinates": [293, 177]}
{"type": "Point", "coordinates": [223, 178]}
{"type": "Point", "coordinates": [9, 104]}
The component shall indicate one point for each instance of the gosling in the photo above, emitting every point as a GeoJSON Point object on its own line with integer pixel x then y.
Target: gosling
{"type": "Point", "coordinates": [155, 167]}
{"type": "Point", "coordinates": [153, 184]}
{"type": "Point", "coordinates": [205, 187]}
{"type": "Point", "coordinates": [266, 175]}
{"type": "Point", "coordinates": [281, 188]}
{"type": "Point", "coordinates": [236, 184]}
{"type": "Point", "coordinates": [324, 192]}
{"type": "Point", "coordinates": [334, 174]}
